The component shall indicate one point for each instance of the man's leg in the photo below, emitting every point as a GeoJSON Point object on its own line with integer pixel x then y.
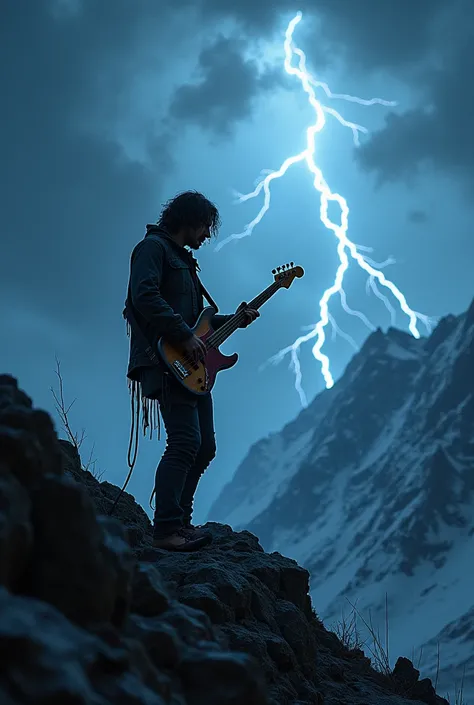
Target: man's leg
{"type": "Point", "coordinates": [180, 416]}
{"type": "Point", "coordinates": [205, 455]}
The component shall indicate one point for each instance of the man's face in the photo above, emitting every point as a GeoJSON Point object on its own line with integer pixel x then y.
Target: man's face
{"type": "Point", "coordinates": [196, 237]}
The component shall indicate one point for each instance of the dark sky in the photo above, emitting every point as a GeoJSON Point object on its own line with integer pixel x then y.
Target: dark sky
{"type": "Point", "coordinates": [109, 108]}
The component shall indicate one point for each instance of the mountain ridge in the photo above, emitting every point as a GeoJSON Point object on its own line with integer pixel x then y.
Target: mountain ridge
{"type": "Point", "coordinates": [379, 497]}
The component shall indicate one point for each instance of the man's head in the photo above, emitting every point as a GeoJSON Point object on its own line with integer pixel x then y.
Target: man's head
{"type": "Point", "coordinates": [190, 218]}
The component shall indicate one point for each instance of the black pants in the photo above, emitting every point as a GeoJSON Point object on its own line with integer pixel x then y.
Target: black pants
{"type": "Point", "coordinates": [190, 447]}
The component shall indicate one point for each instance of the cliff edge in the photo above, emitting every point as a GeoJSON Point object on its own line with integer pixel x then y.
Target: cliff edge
{"type": "Point", "coordinates": [90, 614]}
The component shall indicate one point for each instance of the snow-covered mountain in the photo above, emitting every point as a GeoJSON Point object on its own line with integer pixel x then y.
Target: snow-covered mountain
{"type": "Point", "coordinates": [372, 489]}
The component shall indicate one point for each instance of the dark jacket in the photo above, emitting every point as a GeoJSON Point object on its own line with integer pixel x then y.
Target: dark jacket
{"type": "Point", "coordinates": [164, 294]}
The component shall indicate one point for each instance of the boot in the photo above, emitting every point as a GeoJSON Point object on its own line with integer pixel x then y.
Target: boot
{"type": "Point", "coordinates": [181, 540]}
{"type": "Point", "coordinates": [197, 531]}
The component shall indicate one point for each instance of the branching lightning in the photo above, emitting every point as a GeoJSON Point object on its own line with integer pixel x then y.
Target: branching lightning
{"type": "Point", "coordinates": [345, 247]}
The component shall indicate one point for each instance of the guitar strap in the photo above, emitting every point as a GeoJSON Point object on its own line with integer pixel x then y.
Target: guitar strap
{"type": "Point", "coordinates": [207, 295]}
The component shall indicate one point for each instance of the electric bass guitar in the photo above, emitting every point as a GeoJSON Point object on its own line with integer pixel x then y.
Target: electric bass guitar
{"type": "Point", "coordinates": [199, 377]}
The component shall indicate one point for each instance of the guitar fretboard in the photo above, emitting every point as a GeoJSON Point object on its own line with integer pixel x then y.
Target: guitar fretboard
{"type": "Point", "coordinates": [233, 323]}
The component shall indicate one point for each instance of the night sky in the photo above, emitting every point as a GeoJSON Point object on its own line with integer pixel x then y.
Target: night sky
{"type": "Point", "coordinates": [110, 107]}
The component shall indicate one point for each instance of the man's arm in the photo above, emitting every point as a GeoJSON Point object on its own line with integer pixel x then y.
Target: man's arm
{"type": "Point", "coordinates": [145, 280]}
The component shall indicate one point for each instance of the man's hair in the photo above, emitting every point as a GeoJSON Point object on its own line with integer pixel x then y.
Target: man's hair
{"type": "Point", "coordinates": [189, 209]}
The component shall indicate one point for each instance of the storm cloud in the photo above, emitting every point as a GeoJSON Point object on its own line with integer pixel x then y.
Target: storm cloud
{"type": "Point", "coordinates": [369, 33]}
{"type": "Point", "coordinates": [427, 44]}
{"type": "Point", "coordinates": [438, 133]}
{"type": "Point", "coordinates": [226, 86]}
{"type": "Point", "coordinates": [68, 192]}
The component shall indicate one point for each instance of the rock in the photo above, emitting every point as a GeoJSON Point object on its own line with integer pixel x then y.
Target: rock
{"type": "Point", "coordinates": [150, 596]}
{"type": "Point", "coordinates": [16, 532]}
{"type": "Point", "coordinates": [118, 554]}
{"type": "Point", "coordinates": [281, 654]}
{"type": "Point", "coordinates": [91, 614]}
{"type": "Point", "coordinates": [252, 642]}
{"type": "Point", "coordinates": [230, 587]}
{"type": "Point", "coordinates": [294, 584]}
{"type": "Point", "coordinates": [405, 672]}
{"type": "Point", "coordinates": [236, 680]}
{"type": "Point", "coordinates": [193, 626]}
{"type": "Point", "coordinates": [71, 567]}
{"type": "Point", "coordinates": [203, 597]}
{"type": "Point", "coordinates": [103, 494]}
{"type": "Point", "coordinates": [407, 676]}
{"type": "Point", "coordinates": [424, 691]}
{"type": "Point", "coordinates": [160, 639]}
{"type": "Point", "coordinates": [261, 604]}
{"type": "Point", "coordinates": [297, 632]}
{"type": "Point", "coordinates": [47, 659]}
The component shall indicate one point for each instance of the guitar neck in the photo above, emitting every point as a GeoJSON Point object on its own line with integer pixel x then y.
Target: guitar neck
{"type": "Point", "coordinates": [233, 323]}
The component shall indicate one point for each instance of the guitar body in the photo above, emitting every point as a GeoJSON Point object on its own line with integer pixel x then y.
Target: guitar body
{"type": "Point", "coordinates": [201, 377]}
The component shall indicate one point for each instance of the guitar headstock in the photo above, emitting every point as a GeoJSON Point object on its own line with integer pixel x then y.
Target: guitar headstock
{"type": "Point", "coordinates": [286, 274]}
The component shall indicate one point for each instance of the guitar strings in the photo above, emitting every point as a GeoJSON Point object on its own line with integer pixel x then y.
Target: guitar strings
{"type": "Point", "coordinates": [220, 335]}
{"type": "Point", "coordinates": [186, 359]}
{"type": "Point", "coordinates": [232, 324]}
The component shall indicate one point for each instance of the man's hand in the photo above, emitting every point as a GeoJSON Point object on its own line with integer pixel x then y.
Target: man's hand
{"type": "Point", "coordinates": [194, 349]}
{"type": "Point", "coordinates": [250, 314]}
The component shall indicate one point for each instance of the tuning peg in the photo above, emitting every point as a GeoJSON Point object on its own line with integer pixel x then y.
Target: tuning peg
{"type": "Point", "coordinates": [274, 271]}
{"type": "Point", "coordinates": [278, 269]}
{"type": "Point", "coordinates": [291, 264]}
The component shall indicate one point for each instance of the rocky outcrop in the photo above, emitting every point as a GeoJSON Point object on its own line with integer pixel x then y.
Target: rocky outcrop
{"type": "Point", "coordinates": [90, 614]}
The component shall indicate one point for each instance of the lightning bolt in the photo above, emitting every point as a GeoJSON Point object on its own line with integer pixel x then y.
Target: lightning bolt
{"type": "Point", "coordinates": [345, 247]}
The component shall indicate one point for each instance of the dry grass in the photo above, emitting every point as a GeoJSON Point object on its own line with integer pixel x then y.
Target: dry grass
{"type": "Point", "coordinates": [347, 631]}
{"type": "Point", "coordinates": [458, 692]}
{"type": "Point", "coordinates": [75, 439]}
{"type": "Point", "coordinates": [349, 634]}
{"type": "Point", "coordinates": [378, 650]}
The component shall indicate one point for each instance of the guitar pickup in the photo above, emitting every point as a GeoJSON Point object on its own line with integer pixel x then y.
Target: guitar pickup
{"type": "Point", "coordinates": [180, 369]}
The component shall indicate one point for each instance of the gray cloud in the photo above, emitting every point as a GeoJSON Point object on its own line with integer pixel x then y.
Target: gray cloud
{"type": "Point", "coordinates": [379, 35]}
{"type": "Point", "coordinates": [437, 134]}
{"type": "Point", "coordinates": [70, 199]}
{"type": "Point", "coordinates": [428, 44]}
{"type": "Point", "coordinates": [369, 33]}
{"type": "Point", "coordinates": [417, 216]}
{"type": "Point", "coordinates": [227, 85]}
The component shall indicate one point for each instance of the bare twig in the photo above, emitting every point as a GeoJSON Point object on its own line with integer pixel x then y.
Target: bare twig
{"type": "Point", "coordinates": [91, 465]}
{"type": "Point", "coordinates": [73, 438]}
{"type": "Point", "coordinates": [63, 411]}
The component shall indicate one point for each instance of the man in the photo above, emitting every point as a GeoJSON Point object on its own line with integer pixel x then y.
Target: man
{"type": "Point", "coordinates": [165, 297]}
